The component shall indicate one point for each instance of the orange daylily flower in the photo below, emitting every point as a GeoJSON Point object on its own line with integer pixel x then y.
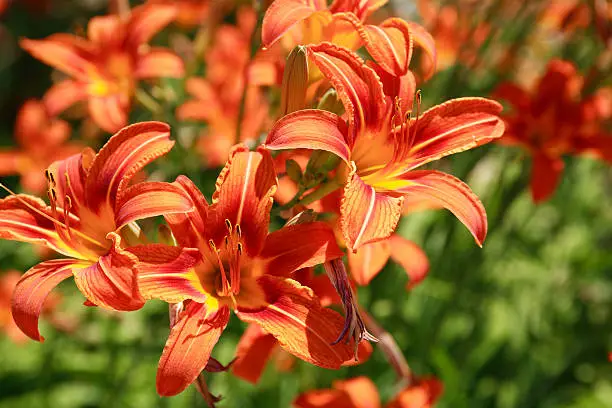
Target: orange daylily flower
{"type": "Point", "coordinates": [8, 281]}
{"type": "Point", "coordinates": [42, 139]}
{"type": "Point", "coordinates": [381, 146]}
{"type": "Point", "coordinates": [238, 265]}
{"type": "Point", "coordinates": [552, 120]}
{"type": "Point", "coordinates": [189, 13]}
{"type": "Point", "coordinates": [344, 23]}
{"type": "Point", "coordinates": [218, 96]}
{"type": "Point", "coordinates": [105, 68]}
{"type": "Point", "coordinates": [256, 346]}
{"type": "Point", "coordinates": [569, 15]}
{"type": "Point", "coordinates": [360, 392]}
{"type": "Point", "coordinates": [455, 38]}
{"type": "Point", "coordinates": [91, 200]}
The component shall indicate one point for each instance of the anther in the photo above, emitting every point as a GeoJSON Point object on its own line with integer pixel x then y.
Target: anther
{"type": "Point", "coordinates": [238, 231]}
{"type": "Point", "coordinates": [228, 225]}
{"type": "Point", "coordinates": [239, 248]}
{"type": "Point", "coordinates": [212, 245]}
{"type": "Point", "coordinates": [226, 241]}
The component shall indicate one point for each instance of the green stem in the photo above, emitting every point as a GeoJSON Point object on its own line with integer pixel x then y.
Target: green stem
{"type": "Point", "coordinates": [148, 101]}
{"type": "Point", "coordinates": [323, 190]}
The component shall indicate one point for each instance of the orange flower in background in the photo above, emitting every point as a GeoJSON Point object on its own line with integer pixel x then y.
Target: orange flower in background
{"type": "Point", "coordinates": [42, 140]}
{"type": "Point", "coordinates": [105, 68]}
{"type": "Point", "coordinates": [570, 15]}
{"type": "Point", "coordinates": [451, 27]}
{"type": "Point", "coordinates": [381, 145]}
{"type": "Point", "coordinates": [218, 97]}
{"type": "Point", "coordinates": [344, 23]}
{"type": "Point", "coordinates": [239, 266]}
{"type": "Point", "coordinates": [91, 200]}
{"type": "Point", "coordinates": [552, 120]}
{"type": "Point", "coordinates": [360, 392]}
{"type": "Point", "coordinates": [189, 13]}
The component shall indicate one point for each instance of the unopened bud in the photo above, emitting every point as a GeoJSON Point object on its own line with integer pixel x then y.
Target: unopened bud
{"type": "Point", "coordinates": [321, 162]}
{"type": "Point", "coordinates": [295, 81]}
{"type": "Point", "coordinates": [293, 171]}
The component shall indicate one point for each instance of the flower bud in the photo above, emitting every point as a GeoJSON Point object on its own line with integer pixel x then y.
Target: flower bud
{"type": "Point", "coordinates": [293, 171]}
{"type": "Point", "coordinates": [295, 81]}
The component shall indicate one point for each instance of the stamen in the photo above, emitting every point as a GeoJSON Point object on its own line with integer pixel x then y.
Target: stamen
{"type": "Point", "coordinates": [67, 208]}
{"type": "Point", "coordinates": [238, 231]}
{"type": "Point", "coordinates": [228, 225]}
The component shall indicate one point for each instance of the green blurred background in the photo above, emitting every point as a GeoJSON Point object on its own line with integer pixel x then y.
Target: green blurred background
{"type": "Point", "coordinates": [523, 322]}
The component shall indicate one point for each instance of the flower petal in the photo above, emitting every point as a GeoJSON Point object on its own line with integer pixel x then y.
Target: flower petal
{"type": "Point", "coordinates": [454, 126]}
{"type": "Point", "coordinates": [32, 290]}
{"type": "Point", "coordinates": [310, 129]}
{"type": "Point", "coordinates": [106, 31]}
{"type": "Point", "coordinates": [243, 196]}
{"type": "Point", "coordinates": [368, 261]}
{"type": "Point", "coordinates": [189, 346]}
{"type": "Point", "coordinates": [160, 63]}
{"type": "Point", "coordinates": [64, 94]}
{"type": "Point", "coordinates": [112, 282]}
{"type": "Point", "coordinates": [281, 15]}
{"type": "Point", "coordinates": [63, 52]}
{"type": "Point", "coordinates": [126, 153]}
{"type": "Point", "coordinates": [357, 85]}
{"type": "Point", "coordinates": [110, 113]}
{"type": "Point", "coordinates": [166, 273]}
{"type": "Point", "coordinates": [294, 316]}
{"type": "Point", "coordinates": [252, 353]}
{"type": "Point", "coordinates": [150, 199]}
{"type": "Point", "coordinates": [28, 219]}
{"type": "Point", "coordinates": [397, 87]}
{"type": "Point", "coordinates": [423, 393]}
{"type": "Point", "coordinates": [186, 227]}
{"type": "Point", "coordinates": [389, 44]}
{"type": "Point", "coordinates": [411, 257]}
{"type": "Point", "coordinates": [443, 190]}
{"type": "Point", "coordinates": [545, 176]}
{"type": "Point", "coordinates": [367, 215]}
{"type": "Point", "coordinates": [422, 38]}
{"type": "Point", "coordinates": [69, 176]}
{"type": "Point", "coordinates": [359, 392]}
{"type": "Point", "coordinates": [299, 246]}
{"type": "Point", "coordinates": [146, 21]}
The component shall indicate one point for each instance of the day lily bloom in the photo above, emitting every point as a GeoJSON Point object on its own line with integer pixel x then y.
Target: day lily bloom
{"type": "Point", "coordinates": [218, 97]}
{"type": "Point", "coordinates": [189, 13]}
{"type": "Point", "coordinates": [239, 266]}
{"type": "Point", "coordinates": [344, 23]}
{"type": "Point", "coordinates": [382, 146]}
{"type": "Point", "coordinates": [552, 120]}
{"type": "Point", "coordinates": [105, 68]}
{"type": "Point", "coordinates": [91, 200]}
{"type": "Point", "coordinates": [42, 139]}
{"type": "Point", "coordinates": [360, 392]}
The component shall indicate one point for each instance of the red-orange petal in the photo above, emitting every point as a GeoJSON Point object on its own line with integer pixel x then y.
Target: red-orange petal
{"type": "Point", "coordinates": [185, 226]}
{"type": "Point", "coordinates": [106, 31]}
{"type": "Point", "coordinates": [310, 129]}
{"type": "Point", "coordinates": [159, 63]}
{"type": "Point", "coordinates": [411, 257]}
{"type": "Point", "coordinates": [359, 392]}
{"type": "Point", "coordinates": [189, 346]}
{"type": "Point", "coordinates": [423, 39]}
{"type": "Point", "coordinates": [299, 246]}
{"type": "Point", "coordinates": [150, 199]}
{"type": "Point", "coordinates": [389, 43]}
{"type": "Point", "coordinates": [61, 52]}
{"type": "Point", "coordinates": [424, 393]}
{"type": "Point", "coordinates": [358, 87]}
{"type": "Point", "coordinates": [294, 316]}
{"type": "Point", "coordinates": [33, 288]}
{"type": "Point", "coordinates": [454, 126]}
{"type": "Point", "coordinates": [545, 176]}
{"type": "Point", "coordinates": [397, 87]}
{"type": "Point", "coordinates": [252, 353]}
{"type": "Point", "coordinates": [443, 190]}
{"type": "Point", "coordinates": [70, 175]}
{"type": "Point", "coordinates": [367, 215]}
{"type": "Point", "coordinates": [126, 153]}
{"type": "Point", "coordinates": [281, 15]}
{"type": "Point", "coordinates": [28, 219]}
{"type": "Point", "coordinates": [243, 196]}
{"type": "Point", "coordinates": [368, 261]}
{"type": "Point", "coordinates": [110, 113]}
{"type": "Point", "coordinates": [146, 21]}
{"type": "Point", "coordinates": [64, 94]}
{"type": "Point", "coordinates": [166, 273]}
{"type": "Point", "coordinates": [112, 281]}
